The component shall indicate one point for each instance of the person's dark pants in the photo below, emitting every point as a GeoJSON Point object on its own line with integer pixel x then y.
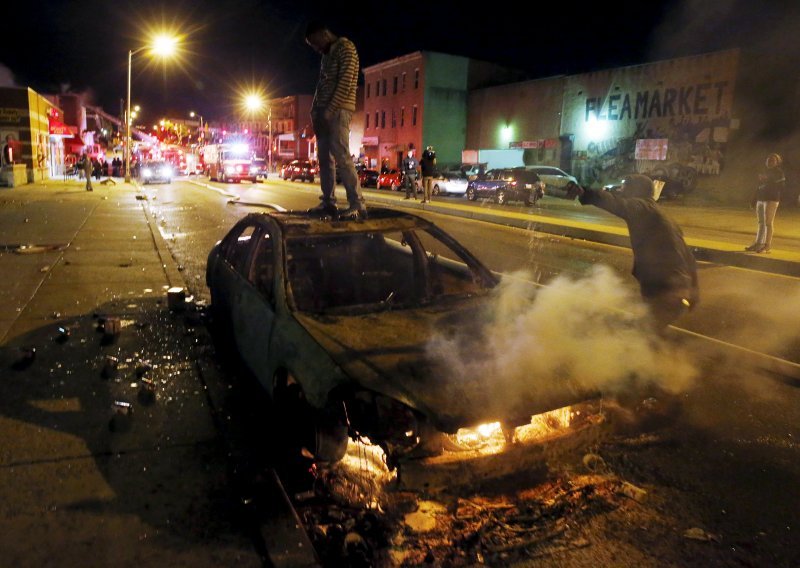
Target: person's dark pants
{"type": "Point", "coordinates": [411, 185]}
{"type": "Point", "coordinates": [666, 306]}
{"type": "Point", "coordinates": [333, 151]}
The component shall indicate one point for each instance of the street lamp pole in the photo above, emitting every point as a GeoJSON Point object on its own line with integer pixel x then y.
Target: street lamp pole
{"type": "Point", "coordinates": [128, 120]}
{"type": "Point", "coordinates": [128, 123]}
{"type": "Point", "coordinates": [269, 118]}
{"type": "Point", "coordinates": [163, 45]}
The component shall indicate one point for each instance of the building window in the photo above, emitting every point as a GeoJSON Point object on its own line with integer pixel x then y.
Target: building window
{"type": "Point", "coordinates": [414, 116]}
{"type": "Point", "coordinates": [366, 121]}
{"type": "Point", "coordinates": [394, 86]}
{"type": "Point", "coordinates": [377, 88]}
{"type": "Point", "coordinates": [368, 89]}
{"type": "Point", "coordinates": [402, 117]}
{"type": "Point", "coordinates": [376, 118]}
{"type": "Point", "coordinates": [383, 119]}
{"type": "Point", "coordinates": [394, 119]}
{"type": "Point", "coordinates": [416, 78]}
{"type": "Point", "coordinates": [383, 84]}
{"type": "Point", "coordinates": [403, 84]}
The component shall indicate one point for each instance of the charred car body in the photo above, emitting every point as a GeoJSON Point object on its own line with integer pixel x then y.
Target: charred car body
{"type": "Point", "coordinates": [334, 319]}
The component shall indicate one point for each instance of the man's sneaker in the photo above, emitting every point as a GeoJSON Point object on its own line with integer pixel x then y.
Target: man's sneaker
{"type": "Point", "coordinates": [352, 213]}
{"type": "Point", "coordinates": [753, 248]}
{"type": "Point", "coordinates": [324, 208]}
{"type": "Point", "coordinates": [763, 249]}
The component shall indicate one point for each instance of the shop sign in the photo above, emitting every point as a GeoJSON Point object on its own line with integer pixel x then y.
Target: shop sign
{"type": "Point", "coordinates": [369, 141]}
{"type": "Point", "coordinates": [535, 144]}
{"type": "Point", "coordinates": [12, 115]}
{"type": "Point", "coordinates": [651, 149]}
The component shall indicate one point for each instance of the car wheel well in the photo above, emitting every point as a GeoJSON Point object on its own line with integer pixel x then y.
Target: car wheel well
{"type": "Point", "coordinates": [323, 431]}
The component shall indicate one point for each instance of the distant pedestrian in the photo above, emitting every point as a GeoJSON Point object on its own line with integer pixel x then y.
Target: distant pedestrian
{"type": "Point", "coordinates": [96, 167]}
{"type": "Point", "coordinates": [766, 199]}
{"type": "Point", "coordinates": [410, 165]}
{"type": "Point", "coordinates": [8, 151]}
{"type": "Point", "coordinates": [662, 263]}
{"type": "Point", "coordinates": [427, 166]}
{"type": "Point", "coordinates": [87, 171]}
{"type": "Point", "coordinates": [331, 111]}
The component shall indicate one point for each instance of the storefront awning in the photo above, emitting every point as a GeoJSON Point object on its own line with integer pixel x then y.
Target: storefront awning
{"type": "Point", "coordinates": [58, 128]}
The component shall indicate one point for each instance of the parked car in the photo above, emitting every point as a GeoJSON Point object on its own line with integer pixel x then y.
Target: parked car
{"type": "Point", "coordinates": [157, 172]}
{"type": "Point", "coordinates": [450, 183]}
{"type": "Point", "coordinates": [299, 170]}
{"type": "Point", "coordinates": [472, 171]}
{"type": "Point", "coordinates": [313, 307]}
{"type": "Point", "coordinates": [664, 188]}
{"type": "Point", "coordinates": [368, 178]}
{"type": "Point", "coordinates": [393, 179]}
{"type": "Point", "coordinates": [555, 180]}
{"type": "Point", "coordinates": [509, 184]}
{"type": "Point", "coordinates": [259, 167]}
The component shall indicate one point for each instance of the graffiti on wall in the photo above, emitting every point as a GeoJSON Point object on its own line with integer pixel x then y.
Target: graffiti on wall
{"type": "Point", "coordinates": [691, 122]}
{"type": "Point", "coordinates": [693, 148]}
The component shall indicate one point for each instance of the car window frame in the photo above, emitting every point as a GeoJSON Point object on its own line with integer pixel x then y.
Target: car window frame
{"type": "Point", "coordinates": [227, 245]}
{"type": "Point", "coordinates": [262, 230]}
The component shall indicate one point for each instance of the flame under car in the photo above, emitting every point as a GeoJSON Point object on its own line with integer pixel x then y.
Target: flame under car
{"type": "Point", "coordinates": [334, 319]}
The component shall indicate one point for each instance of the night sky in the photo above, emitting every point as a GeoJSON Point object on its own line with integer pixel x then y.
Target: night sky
{"type": "Point", "coordinates": [232, 45]}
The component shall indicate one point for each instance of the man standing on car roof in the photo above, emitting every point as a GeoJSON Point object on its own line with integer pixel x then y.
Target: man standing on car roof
{"type": "Point", "coordinates": [331, 111]}
{"type": "Point", "coordinates": [662, 263]}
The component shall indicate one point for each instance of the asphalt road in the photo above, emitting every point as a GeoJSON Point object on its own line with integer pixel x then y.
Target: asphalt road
{"type": "Point", "coordinates": [731, 465]}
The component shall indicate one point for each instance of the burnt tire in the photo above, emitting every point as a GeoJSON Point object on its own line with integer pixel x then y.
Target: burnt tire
{"type": "Point", "coordinates": [322, 432]}
{"type": "Point", "coordinates": [436, 190]}
{"type": "Point", "coordinates": [500, 197]}
{"type": "Point", "coordinates": [470, 194]}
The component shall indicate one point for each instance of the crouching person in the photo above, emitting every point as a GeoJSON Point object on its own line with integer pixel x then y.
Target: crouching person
{"type": "Point", "coordinates": [662, 262]}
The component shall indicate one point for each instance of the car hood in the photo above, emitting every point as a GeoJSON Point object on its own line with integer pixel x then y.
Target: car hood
{"type": "Point", "coordinates": [402, 354]}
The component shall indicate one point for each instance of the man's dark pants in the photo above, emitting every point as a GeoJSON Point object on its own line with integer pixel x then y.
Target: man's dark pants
{"type": "Point", "coordinates": [411, 185]}
{"type": "Point", "coordinates": [333, 151]}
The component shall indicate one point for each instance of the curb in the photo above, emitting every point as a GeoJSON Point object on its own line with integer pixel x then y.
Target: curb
{"type": "Point", "coordinates": [168, 263]}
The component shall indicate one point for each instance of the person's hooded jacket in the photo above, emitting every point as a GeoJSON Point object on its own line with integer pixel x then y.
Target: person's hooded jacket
{"type": "Point", "coordinates": [661, 259]}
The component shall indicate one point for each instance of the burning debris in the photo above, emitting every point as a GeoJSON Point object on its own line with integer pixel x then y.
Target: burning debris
{"type": "Point", "coordinates": [360, 514]}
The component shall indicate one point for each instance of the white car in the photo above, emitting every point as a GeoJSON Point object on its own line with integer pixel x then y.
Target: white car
{"type": "Point", "coordinates": [555, 180]}
{"type": "Point", "coordinates": [450, 183]}
{"type": "Point", "coordinates": [157, 172]}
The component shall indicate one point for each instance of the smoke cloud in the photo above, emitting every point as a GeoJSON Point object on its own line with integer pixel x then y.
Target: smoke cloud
{"type": "Point", "coordinates": [575, 335]}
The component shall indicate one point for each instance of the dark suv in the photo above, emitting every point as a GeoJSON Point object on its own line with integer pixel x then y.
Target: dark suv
{"type": "Point", "coordinates": [508, 184]}
{"type": "Point", "coordinates": [299, 170]}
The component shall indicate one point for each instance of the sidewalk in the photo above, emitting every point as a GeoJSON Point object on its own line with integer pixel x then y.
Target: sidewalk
{"type": "Point", "coordinates": [84, 479]}
{"type": "Point", "coordinates": [716, 234]}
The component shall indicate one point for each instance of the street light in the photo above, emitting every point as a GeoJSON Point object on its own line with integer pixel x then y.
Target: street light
{"type": "Point", "coordinates": [254, 102]}
{"type": "Point", "coordinates": [193, 114]}
{"type": "Point", "coordinates": [163, 46]}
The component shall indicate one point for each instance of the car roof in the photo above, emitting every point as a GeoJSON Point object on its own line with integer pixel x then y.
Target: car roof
{"type": "Point", "coordinates": [302, 223]}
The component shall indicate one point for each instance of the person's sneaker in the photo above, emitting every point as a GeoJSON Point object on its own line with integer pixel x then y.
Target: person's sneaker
{"type": "Point", "coordinates": [324, 208]}
{"type": "Point", "coordinates": [753, 248]}
{"type": "Point", "coordinates": [763, 249]}
{"type": "Point", "coordinates": [352, 213]}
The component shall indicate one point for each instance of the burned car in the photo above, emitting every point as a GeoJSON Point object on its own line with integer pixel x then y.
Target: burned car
{"type": "Point", "coordinates": [334, 319]}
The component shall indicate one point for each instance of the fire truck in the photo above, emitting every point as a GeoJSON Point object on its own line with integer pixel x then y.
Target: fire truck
{"type": "Point", "coordinates": [228, 162]}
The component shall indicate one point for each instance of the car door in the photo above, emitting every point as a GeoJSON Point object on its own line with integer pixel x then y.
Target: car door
{"type": "Point", "coordinates": [234, 252]}
{"type": "Point", "coordinates": [484, 185]}
{"type": "Point", "coordinates": [253, 309]}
